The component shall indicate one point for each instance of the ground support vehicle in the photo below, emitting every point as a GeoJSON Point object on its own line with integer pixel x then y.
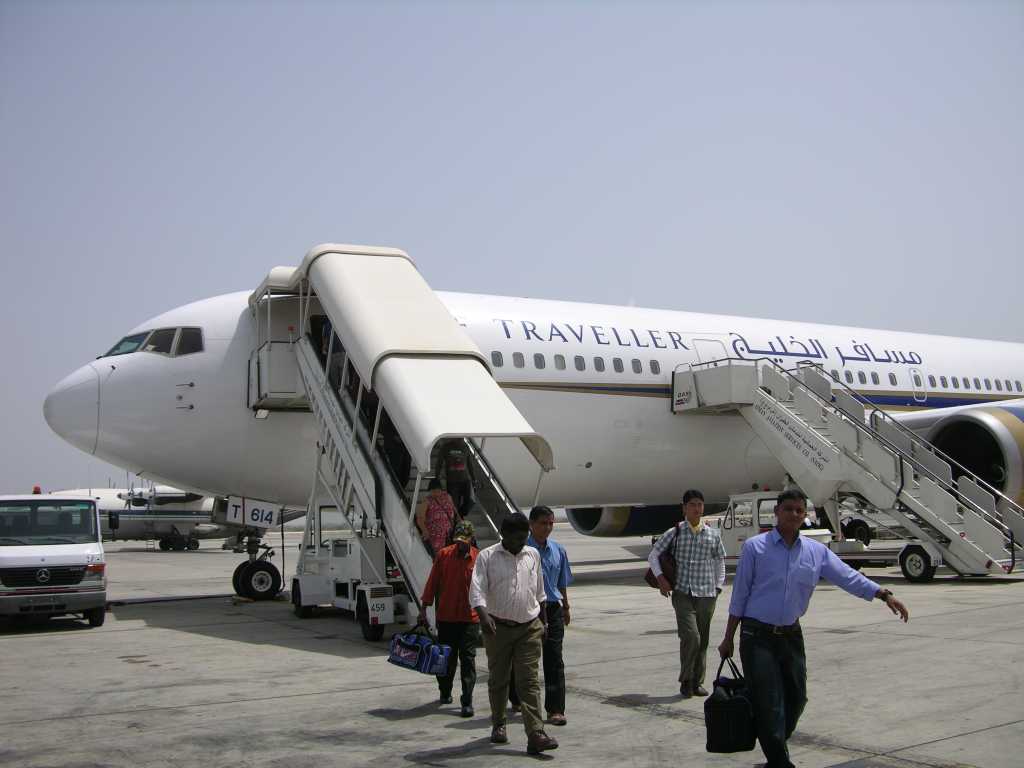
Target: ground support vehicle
{"type": "Point", "coordinates": [351, 571]}
{"type": "Point", "coordinates": [51, 558]}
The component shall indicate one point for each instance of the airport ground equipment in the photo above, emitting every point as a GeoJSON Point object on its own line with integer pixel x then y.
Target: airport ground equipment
{"type": "Point", "coordinates": [51, 558]}
{"type": "Point", "coordinates": [356, 335]}
{"type": "Point", "coordinates": [832, 442]}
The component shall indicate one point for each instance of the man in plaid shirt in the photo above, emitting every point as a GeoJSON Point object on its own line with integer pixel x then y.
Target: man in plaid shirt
{"type": "Point", "coordinates": [700, 574]}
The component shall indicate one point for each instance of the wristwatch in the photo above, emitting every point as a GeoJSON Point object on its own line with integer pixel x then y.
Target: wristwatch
{"type": "Point", "coordinates": [886, 594]}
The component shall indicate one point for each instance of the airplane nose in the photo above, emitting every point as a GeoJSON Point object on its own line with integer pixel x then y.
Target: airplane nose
{"type": "Point", "coordinates": [72, 409]}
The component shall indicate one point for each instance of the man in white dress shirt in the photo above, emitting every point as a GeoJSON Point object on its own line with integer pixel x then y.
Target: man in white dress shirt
{"type": "Point", "coordinates": [507, 591]}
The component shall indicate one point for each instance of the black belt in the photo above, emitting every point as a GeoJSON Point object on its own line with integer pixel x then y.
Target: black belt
{"type": "Point", "coordinates": [771, 629]}
{"type": "Point", "coordinates": [510, 623]}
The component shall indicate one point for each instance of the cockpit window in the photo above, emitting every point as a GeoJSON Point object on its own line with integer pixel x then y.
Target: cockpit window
{"type": "Point", "coordinates": [160, 340]}
{"type": "Point", "coordinates": [190, 340]}
{"type": "Point", "coordinates": [127, 345]}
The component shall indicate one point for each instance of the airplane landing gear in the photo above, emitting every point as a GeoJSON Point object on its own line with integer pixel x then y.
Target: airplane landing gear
{"type": "Point", "coordinates": [257, 578]}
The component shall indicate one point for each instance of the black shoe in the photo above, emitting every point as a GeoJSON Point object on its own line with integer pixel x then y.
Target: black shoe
{"type": "Point", "coordinates": [700, 690]}
{"type": "Point", "coordinates": [684, 690]}
{"type": "Point", "coordinates": [499, 735]}
{"type": "Point", "coordinates": [467, 710]}
{"type": "Point", "coordinates": [445, 700]}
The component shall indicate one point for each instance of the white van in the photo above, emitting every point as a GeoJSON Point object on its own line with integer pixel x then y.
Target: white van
{"type": "Point", "coordinates": [51, 557]}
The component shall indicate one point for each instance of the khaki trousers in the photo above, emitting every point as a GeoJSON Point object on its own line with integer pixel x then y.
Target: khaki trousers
{"type": "Point", "coordinates": [519, 647]}
{"type": "Point", "coordinates": [693, 624]}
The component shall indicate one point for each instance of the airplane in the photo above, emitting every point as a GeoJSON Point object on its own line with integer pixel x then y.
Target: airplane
{"type": "Point", "coordinates": [595, 380]}
{"type": "Point", "coordinates": [176, 519]}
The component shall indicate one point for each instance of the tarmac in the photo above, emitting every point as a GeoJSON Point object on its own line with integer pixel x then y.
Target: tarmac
{"type": "Point", "coordinates": [215, 681]}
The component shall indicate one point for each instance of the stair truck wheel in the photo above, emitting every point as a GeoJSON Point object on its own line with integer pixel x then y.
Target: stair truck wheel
{"type": "Point", "coordinates": [193, 544]}
{"type": "Point", "coordinates": [300, 610]}
{"type": "Point", "coordinates": [261, 580]}
{"type": "Point", "coordinates": [916, 564]}
{"type": "Point", "coordinates": [373, 632]}
{"type": "Point", "coordinates": [96, 616]}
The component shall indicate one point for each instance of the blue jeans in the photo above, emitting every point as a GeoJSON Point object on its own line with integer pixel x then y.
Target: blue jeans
{"type": "Point", "coordinates": [775, 668]}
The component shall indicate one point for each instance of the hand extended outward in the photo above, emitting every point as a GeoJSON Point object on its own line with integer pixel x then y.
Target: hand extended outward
{"type": "Point", "coordinates": [894, 605]}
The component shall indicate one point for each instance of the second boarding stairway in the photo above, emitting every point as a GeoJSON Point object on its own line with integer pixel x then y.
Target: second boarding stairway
{"type": "Point", "coordinates": [822, 434]}
{"type": "Point", "coordinates": [398, 378]}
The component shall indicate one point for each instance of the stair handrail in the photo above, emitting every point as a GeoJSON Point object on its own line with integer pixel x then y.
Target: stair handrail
{"type": "Point", "coordinates": [492, 476]}
{"type": "Point", "coordinates": [877, 436]}
{"type": "Point", "coordinates": [878, 413]}
{"type": "Point", "coordinates": [325, 387]}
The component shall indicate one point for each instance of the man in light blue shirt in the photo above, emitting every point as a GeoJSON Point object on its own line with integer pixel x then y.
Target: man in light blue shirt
{"type": "Point", "coordinates": [775, 577]}
{"type": "Point", "coordinates": [557, 578]}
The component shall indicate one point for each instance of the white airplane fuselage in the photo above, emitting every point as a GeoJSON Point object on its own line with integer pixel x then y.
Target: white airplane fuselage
{"type": "Point", "coordinates": [186, 421]}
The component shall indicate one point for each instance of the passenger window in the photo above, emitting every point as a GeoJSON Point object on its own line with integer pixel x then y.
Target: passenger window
{"type": "Point", "coordinates": [1019, 389]}
{"type": "Point", "coordinates": [636, 366]}
{"type": "Point", "coordinates": [862, 377]}
{"type": "Point", "coordinates": [560, 362]}
{"type": "Point", "coordinates": [988, 384]}
{"type": "Point", "coordinates": [580, 363]}
{"type": "Point", "coordinates": [931, 382]}
{"type": "Point", "coordinates": [917, 380]}
{"type": "Point", "coordinates": [539, 362]}
{"type": "Point", "coordinates": [942, 380]}
{"type": "Point", "coordinates": [127, 345]}
{"type": "Point", "coordinates": [835, 375]}
{"type": "Point", "coordinates": [517, 360]}
{"type": "Point", "coordinates": [617, 364]}
{"type": "Point", "coordinates": [955, 381]}
{"type": "Point", "coordinates": [190, 341]}
{"type": "Point", "coordinates": [655, 367]}
{"type": "Point", "coordinates": [1008, 387]}
{"type": "Point", "coordinates": [849, 377]}
{"type": "Point", "coordinates": [497, 360]}
{"type": "Point", "coordinates": [977, 383]}
{"type": "Point", "coordinates": [160, 341]}
{"type": "Point", "coordinates": [599, 364]}
{"type": "Point", "coordinates": [874, 377]}
{"type": "Point", "coordinates": [892, 379]}
{"type": "Point", "coordinates": [999, 385]}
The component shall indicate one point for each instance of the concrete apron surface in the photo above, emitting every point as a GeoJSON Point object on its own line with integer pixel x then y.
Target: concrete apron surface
{"type": "Point", "coordinates": [221, 683]}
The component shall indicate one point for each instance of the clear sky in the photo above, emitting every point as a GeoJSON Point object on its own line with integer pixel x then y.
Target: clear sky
{"type": "Point", "coordinates": [859, 163]}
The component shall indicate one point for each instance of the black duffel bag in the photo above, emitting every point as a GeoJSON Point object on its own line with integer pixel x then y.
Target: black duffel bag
{"type": "Point", "coordinates": [729, 713]}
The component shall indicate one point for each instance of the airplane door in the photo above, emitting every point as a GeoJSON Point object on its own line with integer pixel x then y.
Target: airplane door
{"type": "Point", "coordinates": [917, 381]}
{"type": "Point", "coordinates": [709, 349]}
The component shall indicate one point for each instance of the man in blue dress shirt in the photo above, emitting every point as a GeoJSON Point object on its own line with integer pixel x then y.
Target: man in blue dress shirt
{"type": "Point", "coordinates": [557, 578]}
{"type": "Point", "coordinates": [775, 577]}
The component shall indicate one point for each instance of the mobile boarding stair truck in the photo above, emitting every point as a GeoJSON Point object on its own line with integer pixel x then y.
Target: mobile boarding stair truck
{"type": "Point", "coordinates": [51, 558]}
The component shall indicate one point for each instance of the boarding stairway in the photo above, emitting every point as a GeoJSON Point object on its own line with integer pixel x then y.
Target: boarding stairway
{"type": "Point", "coordinates": [830, 443]}
{"type": "Point", "coordinates": [397, 367]}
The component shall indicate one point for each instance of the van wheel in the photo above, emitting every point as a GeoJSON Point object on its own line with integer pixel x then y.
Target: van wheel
{"type": "Point", "coordinates": [165, 545]}
{"type": "Point", "coordinates": [96, 616]}
{"type": "Point", "coordinates": [193, 544]}
{"type": "Point", "coordinates": [300, 610]}
{"type": "Point", "coordinates": [916, 565]}
{"type": "Point", "coordinates": [261, 580]}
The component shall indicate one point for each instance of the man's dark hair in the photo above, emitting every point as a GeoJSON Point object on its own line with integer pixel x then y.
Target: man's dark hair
{"type": "Point", "coordinates": [691, 494]}
{"type": "Point", "coordinates": [540, 511]}
{"type": "Point", "coordinates": [515, 522]}
{"type": "Point", "coordinates": [791, 494]}
{"type": "Point", "coordinates": [434, 484]}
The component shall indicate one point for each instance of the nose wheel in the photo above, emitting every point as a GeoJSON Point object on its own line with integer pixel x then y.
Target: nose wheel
{"type": "Point", "coordinates": [257, 578]}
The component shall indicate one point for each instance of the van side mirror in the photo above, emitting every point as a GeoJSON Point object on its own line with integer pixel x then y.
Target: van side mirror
{"type": "Point", "coordinates": [113, 520]}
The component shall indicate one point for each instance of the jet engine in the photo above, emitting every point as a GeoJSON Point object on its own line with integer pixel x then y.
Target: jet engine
{"type": "Point", "coordinates": [989, 441]}
{"type": "Point", "coordinates": [624, 521]}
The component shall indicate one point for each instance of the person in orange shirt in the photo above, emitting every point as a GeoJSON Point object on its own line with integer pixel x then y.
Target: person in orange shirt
{"type": "Point", "coordinates": [457, 623]}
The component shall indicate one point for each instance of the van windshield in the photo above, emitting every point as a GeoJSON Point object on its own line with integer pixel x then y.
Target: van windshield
{"type": "Point", "coordinates": [31, 523]}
